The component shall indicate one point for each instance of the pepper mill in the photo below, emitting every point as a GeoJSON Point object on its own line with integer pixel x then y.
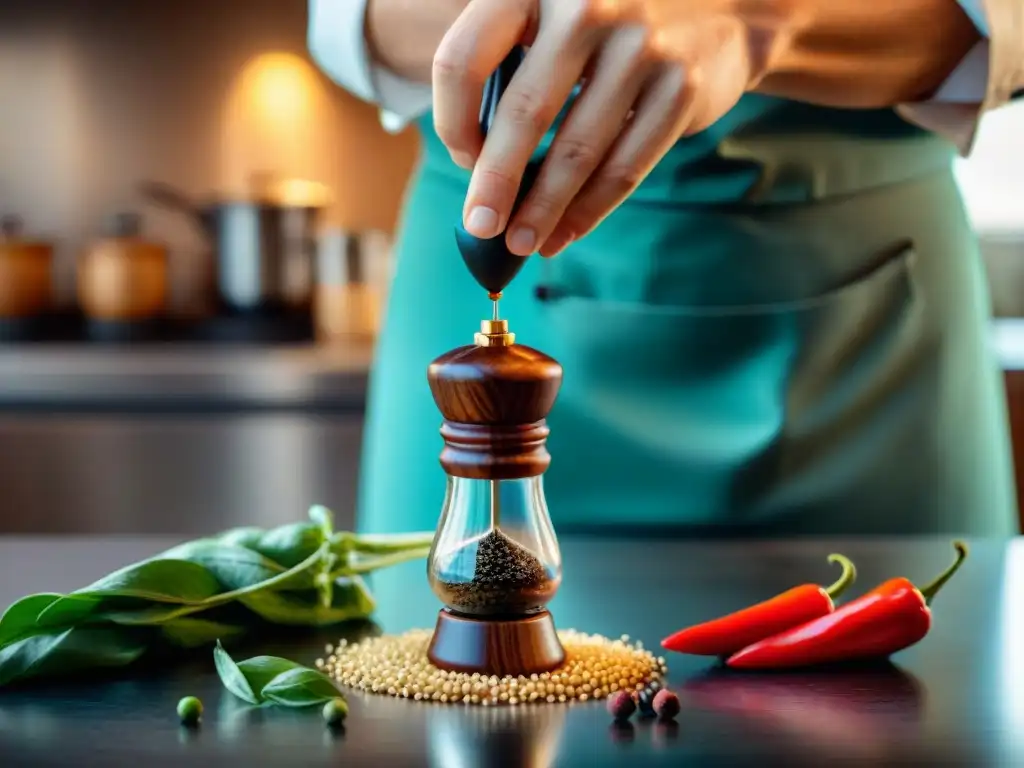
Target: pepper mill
{"type": "Point", "coordinates": [495, 561]}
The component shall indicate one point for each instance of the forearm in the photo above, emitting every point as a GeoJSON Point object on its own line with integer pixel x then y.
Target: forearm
{"type": "Point", "coordinates": [403, 35]}
{"type": "Point", "coordinates": [857, 54]}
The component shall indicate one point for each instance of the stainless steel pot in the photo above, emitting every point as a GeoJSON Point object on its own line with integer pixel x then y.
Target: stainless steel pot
{"type": "Point", "coordinates": [264, 249]}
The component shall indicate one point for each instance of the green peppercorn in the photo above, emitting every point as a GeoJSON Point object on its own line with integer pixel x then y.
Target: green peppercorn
{"type": "Point", "coordinates": [335, 712]}
{"type": "Point", "coordinates": [190, 709]}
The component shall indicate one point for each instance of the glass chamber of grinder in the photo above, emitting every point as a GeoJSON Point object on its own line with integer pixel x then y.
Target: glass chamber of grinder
{"type": "Point", "coordinates": [495, 552]}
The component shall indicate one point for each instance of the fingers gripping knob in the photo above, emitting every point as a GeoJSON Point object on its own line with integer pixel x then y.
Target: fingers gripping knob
{"type": "Point", "coordinates": [489, 260]}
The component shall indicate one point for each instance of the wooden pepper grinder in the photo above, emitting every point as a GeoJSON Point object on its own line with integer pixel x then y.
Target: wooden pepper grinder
{"type": "Point", "coordinates": [495, 561]}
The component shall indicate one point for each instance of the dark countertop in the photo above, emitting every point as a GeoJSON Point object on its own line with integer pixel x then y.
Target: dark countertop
{"type": "Point", "coordinates": [955, 699]}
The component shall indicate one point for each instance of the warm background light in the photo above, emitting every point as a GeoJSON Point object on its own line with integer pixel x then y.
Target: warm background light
{"type": "Point", "coordinates": [276, 121]}
{"type": "Point", "coordinates": [204, 96]}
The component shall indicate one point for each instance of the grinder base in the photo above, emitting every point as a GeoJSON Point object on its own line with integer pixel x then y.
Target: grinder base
{"type": "Point", "coordinates": [522, 646]}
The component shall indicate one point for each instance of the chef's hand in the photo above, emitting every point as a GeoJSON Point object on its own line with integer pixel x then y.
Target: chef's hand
{"type": "Point", "coordinates": [652, 72]}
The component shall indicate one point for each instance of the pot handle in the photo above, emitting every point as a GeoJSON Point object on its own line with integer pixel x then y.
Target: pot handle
{"type": "Point", "coordinates": [10, 226]}
{"type": "Point", "coordinates": [170, 197]}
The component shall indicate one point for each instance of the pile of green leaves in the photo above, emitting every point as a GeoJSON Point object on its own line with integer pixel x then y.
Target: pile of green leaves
{"type": "Point", "coordinates": [303, 574]}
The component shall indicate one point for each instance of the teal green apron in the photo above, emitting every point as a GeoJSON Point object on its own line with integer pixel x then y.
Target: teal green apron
{"type": "Point", "coordinates": [782, 332]}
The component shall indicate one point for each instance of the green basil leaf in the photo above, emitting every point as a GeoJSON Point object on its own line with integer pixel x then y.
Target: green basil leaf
{"type": "Point", "coordinates": [300, 575]}
{"type": "Point", "coordinates": [300, 687]}
{"type": "Point", "coordinates": [234, 567]}
{"type": "Point", "coordinates": [352, 593]}
{"type": "Point", "coordinates": [195, 633]}
{"type": "Point", "coordinates": [67, 611]}
{"type": "Point", "coordinates": [240, 537]}
{"type": "Point", "coordinates": [289, 610]}
{"type": "Point", "coordinates": [157, 581]}
{"type": "Point", "coordinates": [161, 580]}
{"type": "Point", "coordinates": [260, 670]}
{"type": "Point", "coordinates": [231, 676]}
{"type": "Point", "coordinates": [385, 544]}
{"type": "Point", "coordinates": [323, 518]}
{"type": "Point", "coordinates": [69, 650]}
{"type": "Point", "coordinates": [272, 679]}
{"type": "Point", "coordinates": [350, 600]}
{"type": "Point", "coordinates": [366, 563]}
{"type": "Point", "coordinates": [19, 619]}
{"type": "Point", "coordinates": [289, 545]}
{"type": "Point", "coordinates": [296, 577]}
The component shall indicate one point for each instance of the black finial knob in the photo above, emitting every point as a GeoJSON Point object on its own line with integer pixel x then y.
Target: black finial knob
{"type": "Point", "coordinates": [490, 262]}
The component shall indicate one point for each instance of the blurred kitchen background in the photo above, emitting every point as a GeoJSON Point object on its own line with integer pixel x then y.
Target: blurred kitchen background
{"type": "Point", "coordinates": [195, 257]}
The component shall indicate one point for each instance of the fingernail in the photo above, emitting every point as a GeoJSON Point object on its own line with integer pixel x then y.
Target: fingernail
{"type": "Point", "coordinates": [463, 160]}
{"type": "Point", "coordinates": [523, 241]}
{"type": "Point", "coordinates": [482, 222]}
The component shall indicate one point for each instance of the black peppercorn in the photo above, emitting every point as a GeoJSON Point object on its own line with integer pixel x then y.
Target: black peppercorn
{"type": "Point", "coordinates": [645, 702]}
{"type": "Point", "coordinates": [506, 578]}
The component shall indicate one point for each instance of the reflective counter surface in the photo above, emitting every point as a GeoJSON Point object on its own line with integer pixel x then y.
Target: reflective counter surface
{"type": "Point", "coordinates": [177, 439]}
{"type": "Point", "coordinates": [306, 377]}
{"type": "Point", "coordinates": [161, 377]}
{"type": "Point", "coordinates": [955, 699]}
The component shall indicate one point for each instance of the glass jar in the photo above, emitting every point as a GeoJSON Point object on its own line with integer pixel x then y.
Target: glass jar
{"type": "Point", "coordinates": [495, 552]}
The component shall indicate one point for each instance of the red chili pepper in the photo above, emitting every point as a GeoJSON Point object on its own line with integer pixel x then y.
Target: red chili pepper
{"type": "Point", "coordinates": [792, 608]}
{"type": "Point", "coordinates": [889, 618]}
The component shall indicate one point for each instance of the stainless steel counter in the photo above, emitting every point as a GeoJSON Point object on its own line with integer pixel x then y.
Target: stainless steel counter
{"type": "Point", "coordinates": [196, 440]}
{"type": "Point", "coordinates": [178, 439]}
{"type": "Point", "coordinates": [173, 378]}
{"type": "Point", "coordinates": [312, 378]}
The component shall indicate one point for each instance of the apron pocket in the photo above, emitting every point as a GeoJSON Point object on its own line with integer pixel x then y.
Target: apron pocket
{"type": "Point", "coordinates": [702, 414]}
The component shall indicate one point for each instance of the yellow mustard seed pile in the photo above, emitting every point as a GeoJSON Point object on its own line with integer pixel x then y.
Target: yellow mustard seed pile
{"type": "Point", "coordinates": [397, 665]}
